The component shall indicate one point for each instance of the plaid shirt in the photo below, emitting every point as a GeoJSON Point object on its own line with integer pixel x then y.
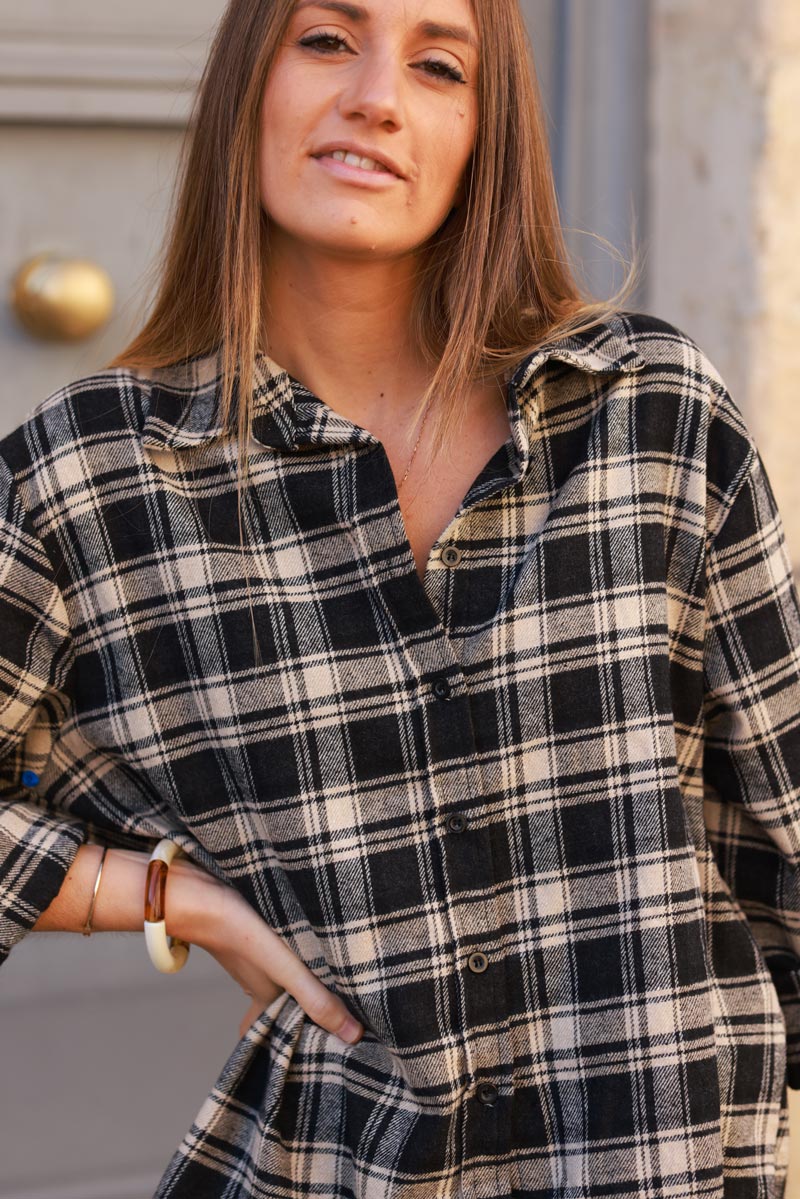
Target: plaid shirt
{"type": "Point", "coordinates": [535, 819]}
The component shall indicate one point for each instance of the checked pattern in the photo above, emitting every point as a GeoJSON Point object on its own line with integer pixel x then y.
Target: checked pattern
{"type": "Point", "coordinates": [536, 819]}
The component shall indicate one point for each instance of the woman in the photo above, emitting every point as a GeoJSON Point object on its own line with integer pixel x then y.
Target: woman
{"type": "Point", "coordinates": [482, 731]}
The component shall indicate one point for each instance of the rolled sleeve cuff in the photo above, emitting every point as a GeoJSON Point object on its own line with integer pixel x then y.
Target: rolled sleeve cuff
{"type": "Point", "coordinates": [37, 849]}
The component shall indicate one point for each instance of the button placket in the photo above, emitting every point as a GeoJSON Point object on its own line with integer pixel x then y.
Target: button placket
{"type": "Point", "coordinates": [468, 875]}
{"type": "Point", "coordinates": [468, 861]}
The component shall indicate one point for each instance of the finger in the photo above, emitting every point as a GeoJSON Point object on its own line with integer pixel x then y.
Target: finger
{"type": "Point", "coordinates": [255, 983]}
{"type": "Point", "coordinates": [324, 1007]}
{"type": "Point", "coordinates": [258, 945]}
{"type": "Point", "coordinates": [252, 1013]}
{"type": "Point", "coordinates": [268, 992]}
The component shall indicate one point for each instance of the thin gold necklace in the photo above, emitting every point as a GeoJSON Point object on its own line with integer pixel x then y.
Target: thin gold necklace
{"type": "Point", "coordinates": [413, 452]}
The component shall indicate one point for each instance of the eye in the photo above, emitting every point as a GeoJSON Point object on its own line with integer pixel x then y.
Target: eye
{"type": "Point", "coordinates": [441, 69]}
{"type": "Point", "coordinates": [334, 43]}
{"type": "Point", "coordinates": [324, 43]}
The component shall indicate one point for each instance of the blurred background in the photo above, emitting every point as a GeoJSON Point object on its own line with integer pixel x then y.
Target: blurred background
{"type": "Point", "coordinates": [674, 121]}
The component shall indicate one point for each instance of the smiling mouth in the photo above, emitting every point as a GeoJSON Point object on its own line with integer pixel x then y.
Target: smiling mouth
{"type": "Point", "coordinates": [358, 160]}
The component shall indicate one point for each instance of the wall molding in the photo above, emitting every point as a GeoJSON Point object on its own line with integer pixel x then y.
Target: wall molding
{"type": "Point", "coordinates": [81, 63]}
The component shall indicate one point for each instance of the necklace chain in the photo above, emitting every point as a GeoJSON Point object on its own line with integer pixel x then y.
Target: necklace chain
{"type": "Point", "coordinates": [413, 452]}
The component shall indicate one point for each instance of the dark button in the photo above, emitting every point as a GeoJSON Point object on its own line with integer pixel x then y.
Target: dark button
{"type": "Point", "coordinates": [456, 823]}
{"type": "Point", "coordinates": [487, 1093]}
{"type": "Point", "coordinates": [29, 778]}
{"type": "Point", "coordinates": [477, 962]}
{"type": "Point", "coordinates": [442, 689]}
{"type": "Point", "coordinates": [451, 556]}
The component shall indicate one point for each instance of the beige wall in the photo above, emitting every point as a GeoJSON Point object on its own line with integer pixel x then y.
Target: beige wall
{"type": "Point", "coordinates": [724, 170]}
{"type": "Point", "coordinates": [773, 389]}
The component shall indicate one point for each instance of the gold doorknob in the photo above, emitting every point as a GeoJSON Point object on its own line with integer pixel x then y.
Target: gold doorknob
{"type": "Point", "coordinates": [61, 299]}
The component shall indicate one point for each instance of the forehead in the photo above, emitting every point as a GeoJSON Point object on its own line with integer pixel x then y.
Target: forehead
{"type": "Point", "coordinates": [413, 13]}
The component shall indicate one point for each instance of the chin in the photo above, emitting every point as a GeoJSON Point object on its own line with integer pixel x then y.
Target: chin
{"type": "Point", "coordinates": [354, 233]}
{"type": "Point", "coordinates": [360, 238]}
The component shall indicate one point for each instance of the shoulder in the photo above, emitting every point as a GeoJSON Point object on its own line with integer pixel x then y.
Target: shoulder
{"type": "Point", "coordinates": [672, 361]}
{"type": "Point", "coordinates": [642, 359]}
{"type": "Point", "coordinates": [663, 394]}
{"type": "Point", "coordinates": [673, 370]}
{"type": "Point", "coordinates": [90, 416]}
{"type": "Point", "coordinates": [85, 439]}
{"type": "Point", "coordinates": [680, 391]}
{"type": "Point", "coordinates": [660, 345]}
{"type": "Point", "coordinates": [105, 405]}
{"type": "Point", "coordinates": [667, 350]}
{"type": "Point", "coordinates": [628, 342]}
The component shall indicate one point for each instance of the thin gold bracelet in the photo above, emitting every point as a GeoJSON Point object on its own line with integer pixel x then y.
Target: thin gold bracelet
{"type": "Point", "coordinates": [87, 928]}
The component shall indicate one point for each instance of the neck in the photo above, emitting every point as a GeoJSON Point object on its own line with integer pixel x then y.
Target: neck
{"type": "Point", "coordinates": [343, 329]}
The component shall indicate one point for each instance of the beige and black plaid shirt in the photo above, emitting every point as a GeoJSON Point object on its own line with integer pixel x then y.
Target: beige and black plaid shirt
{"type": "Point", "coordinates": [536, 819]}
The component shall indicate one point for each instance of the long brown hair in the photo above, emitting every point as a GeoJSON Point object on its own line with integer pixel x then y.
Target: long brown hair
{"type": "Point", "coordinates": [497, 277]}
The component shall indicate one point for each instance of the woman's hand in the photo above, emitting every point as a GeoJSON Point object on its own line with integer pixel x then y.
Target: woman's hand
{"type": "Point", "coordinates": [255, 956]}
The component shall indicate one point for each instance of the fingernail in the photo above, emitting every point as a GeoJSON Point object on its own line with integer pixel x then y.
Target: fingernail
{"type": "Point", "coordinates": [350, 1031]}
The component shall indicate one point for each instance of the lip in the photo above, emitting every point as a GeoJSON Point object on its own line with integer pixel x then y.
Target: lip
{"type": "Point", "coordinates": [342, 172]}
{"type": "Point", "coordinates": [362, 152]}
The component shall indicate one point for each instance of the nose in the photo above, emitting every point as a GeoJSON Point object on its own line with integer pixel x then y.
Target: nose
{"type": "Point", "coordinates": [374, 92]}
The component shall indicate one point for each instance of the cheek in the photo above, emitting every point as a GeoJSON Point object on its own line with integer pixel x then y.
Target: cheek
{"type": "Point", "coordinates": [281, 115]}
{"type": "Point", "coordinates": [276, 167]}
{"type": "Point", "coordinates": [458, 128]}
{"type": "Point", "coordinates": [451, 149]}
{"type": "Point", "coordinates": [269, 153]}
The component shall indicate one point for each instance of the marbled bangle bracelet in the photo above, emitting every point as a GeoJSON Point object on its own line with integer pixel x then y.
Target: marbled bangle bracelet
{"type": "Point", "coordinates": [167, 956]}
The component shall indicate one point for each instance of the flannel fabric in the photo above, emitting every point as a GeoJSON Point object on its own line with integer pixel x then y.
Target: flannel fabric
{"type": "Point", "coordinates": [535, 819]}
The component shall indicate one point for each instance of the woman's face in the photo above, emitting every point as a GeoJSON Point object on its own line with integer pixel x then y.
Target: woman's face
{"type": "Point", "coordinates": [393, 85]}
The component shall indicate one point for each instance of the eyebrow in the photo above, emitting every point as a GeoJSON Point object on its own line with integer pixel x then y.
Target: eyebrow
{"type": "Point", "coordinates": [357, 14]}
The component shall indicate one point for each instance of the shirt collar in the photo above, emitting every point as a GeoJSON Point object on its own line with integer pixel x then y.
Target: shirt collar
{"type": "Point", "coordinates": [183, 401]}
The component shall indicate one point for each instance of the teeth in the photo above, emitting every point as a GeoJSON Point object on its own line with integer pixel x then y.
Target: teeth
{"type": "Point", "coordinates": [354, 160]}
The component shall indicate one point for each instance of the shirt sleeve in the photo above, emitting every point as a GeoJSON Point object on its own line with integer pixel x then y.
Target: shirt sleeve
{"type": "Point", "coordinates": [37, 845]}
{"type": "Point", "coordinates": [751, 759]}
